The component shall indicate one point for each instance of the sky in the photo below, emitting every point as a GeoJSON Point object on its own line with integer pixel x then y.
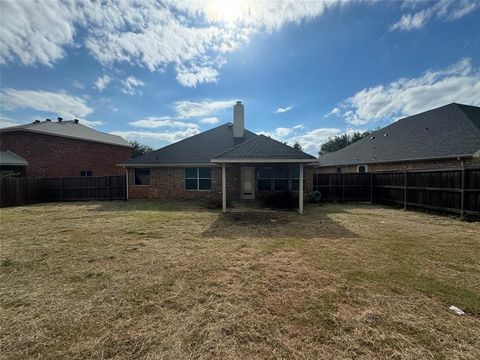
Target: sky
{"type": "Point", "coordinates": [158, 72]}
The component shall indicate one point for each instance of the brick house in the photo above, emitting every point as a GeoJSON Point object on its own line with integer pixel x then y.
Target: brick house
{"type": "Point", "coordinates": [65, 148]}
{"type": "Point", "coordinates": [445, 137]}
{"type": "Point", "coordinates": [226, 162]}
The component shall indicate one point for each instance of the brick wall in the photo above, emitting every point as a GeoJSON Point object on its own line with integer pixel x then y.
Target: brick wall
{"type": "Point", "coordinates": [55, 156]}
{"type": "Point", "coordinates": [168, 183]}
{"type": "Point", "coordinates": [401, 166]}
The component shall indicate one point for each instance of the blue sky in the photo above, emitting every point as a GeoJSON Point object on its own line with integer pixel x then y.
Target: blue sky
{"type": "Point", "coordinates": [161, 71]}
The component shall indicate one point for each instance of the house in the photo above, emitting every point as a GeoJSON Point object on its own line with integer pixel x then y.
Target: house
{"type": "Point", "coordinates": [226, 162]}
{"type": "Point", "coordinates": [63, 148]}
{"type": "Point", "coordinates": [446, 137]}
{"type": "Point", "coordinates": [12, 165]}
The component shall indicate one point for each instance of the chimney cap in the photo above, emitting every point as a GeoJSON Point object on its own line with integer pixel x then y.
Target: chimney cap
{"type": "Point", "coordinates": [75, 121]}
{"type": "Point", "coordinates": [239, 102]}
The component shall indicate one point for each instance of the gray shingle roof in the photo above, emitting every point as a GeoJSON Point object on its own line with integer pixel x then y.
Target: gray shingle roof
{"type": "Point", "coordinates": [263, 147]}
{"type": "Point", "coordinates": [70, 129]}
{"type": "Point", "coordinates": [444, 132]}
{"type": "Point", "coordinates": [10, 158]}
{"type": "Point", "coordinates": [197, 149]}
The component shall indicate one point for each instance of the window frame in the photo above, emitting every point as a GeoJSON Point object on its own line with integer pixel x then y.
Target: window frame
{"type": "Point", "coordinates": [86, 173]}
{"type": "Point", "coordinates": [198, 178]}
{"type": "Point", "coordinates": [364, 166]}
{"type": "Point", "coordinates": [265, 178]}
{"type": "Point", "coordinates": [292, 169]}
{"type": "Point", "coordinates": [287, 178]}
{"type": "Point", "coordinates": [135, 176]}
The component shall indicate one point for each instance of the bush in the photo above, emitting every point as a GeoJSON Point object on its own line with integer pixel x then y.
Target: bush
{"type": "Point", "coordinates": [281, 200]}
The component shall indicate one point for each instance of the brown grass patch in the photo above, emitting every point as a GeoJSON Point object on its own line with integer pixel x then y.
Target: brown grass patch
{"type": "Point", "coordinates": [172, 280]}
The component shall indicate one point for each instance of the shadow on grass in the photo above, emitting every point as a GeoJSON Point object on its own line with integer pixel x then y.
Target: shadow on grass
{"type": "Point", "coordinates": [276, 225]}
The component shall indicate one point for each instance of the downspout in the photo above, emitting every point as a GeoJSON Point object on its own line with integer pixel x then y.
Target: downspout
{"type": "Point", "coordinates": [126, 181]}
{"type": "Point", "coordinates": [462, 194]}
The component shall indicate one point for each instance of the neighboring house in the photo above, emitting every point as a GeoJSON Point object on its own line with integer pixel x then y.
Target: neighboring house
{"type": "Point", "coordinates": [225, 162]}
{"type": "Point", "coordinates": [65, 148]}
{"type": "Point", "coordinates": [12, 165]}
{"type": "Point", "coordinates": [448, 136]}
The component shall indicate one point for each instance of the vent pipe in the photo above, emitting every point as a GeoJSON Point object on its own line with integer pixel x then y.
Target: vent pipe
{"type": "Point", "coordinates": [60, 119]}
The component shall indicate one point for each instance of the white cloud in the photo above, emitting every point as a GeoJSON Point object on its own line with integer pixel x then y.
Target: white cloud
{"type": "Point", "coordinates": [7, 122]}
{"type": "Point", "coordinates": [282, 132]}
{"type": "Point", "coordinates": [192, 36]}
{"type": "Point", "coordinates": [209, 120]}
{"type": "Point", "coordinates": [282, 110]}
{"type": "Point", "coordinates": [407, 96]}
{"type": "Point", "coordinates": [130, 85]}
{"type": "Point", "coordinates": [91, 123]}
{"type": "Point", "coordinates": [157, 122]}
{"type": "Point", "coordinates": [335, 112]}
{"type": "Point", "coordinates": [59, 103]}
{"type": "Point", "coordinates": [311, 140]}
{"type": "Point", "coordinates": [102, 82]}
{"type": "Point", "coordinates": [443, 10]}
{"type": "Point", "coordinates": [156, 138]}
{"type": "Point", "coordinates": [189, 109]}
{"type": "Point", "coordinates": [78, 84]}
{"type": "Point", "coordinates": [299, 126]}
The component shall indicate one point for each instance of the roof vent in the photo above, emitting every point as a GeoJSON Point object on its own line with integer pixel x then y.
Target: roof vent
{"type": "Point", "coordinates": [48, 120]}
{"type": "Point", "coordinates": [426, 129]}
{"type": "Point", "coordinates": [36, 122]}
{"type": "Point", "coordinates": [372, 137]}
{"type": "Point", "coordinates": [385, 134]}
{"type": "Point", "coordinates": [75, 121]}
{"type": "Point", "coordinates": [60, 119]}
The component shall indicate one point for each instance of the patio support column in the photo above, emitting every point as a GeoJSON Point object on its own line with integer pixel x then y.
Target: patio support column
{"type": "Point", "coordinates": [224, 188]}
{"type": "Point", "coordinates": [300, 191]}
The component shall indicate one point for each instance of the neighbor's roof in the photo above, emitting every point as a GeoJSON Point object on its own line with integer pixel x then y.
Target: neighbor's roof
{"type": "Point", "coordinates": [197, 149]}
{"type": "Point", "coordinates": [10, 158]}
{"type": "Point", "coordinates": [70, 129]}
{"type": "Point", "coordinates": [263, 147]}
{"type": "Point", "coordinates": [445, 132]}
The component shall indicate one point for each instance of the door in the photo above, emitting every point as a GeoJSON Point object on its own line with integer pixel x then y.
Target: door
{"type": "Point", "coordinates": [247, 183]}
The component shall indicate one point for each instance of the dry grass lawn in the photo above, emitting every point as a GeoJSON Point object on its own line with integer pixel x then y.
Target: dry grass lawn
{"type": "Point", "coordinates": [155, 280]}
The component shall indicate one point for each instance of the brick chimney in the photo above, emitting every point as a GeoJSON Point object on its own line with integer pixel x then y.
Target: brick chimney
{"type": "Point", "coordinates": [238, 122]}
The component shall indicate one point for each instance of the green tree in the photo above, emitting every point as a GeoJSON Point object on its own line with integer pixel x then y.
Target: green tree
{"type": "Point", "coordinates": [338, 142]}
{"type": "Point", "coordinates": [139, 149]}
{"type": "Point", "coordinates": [297, 145]}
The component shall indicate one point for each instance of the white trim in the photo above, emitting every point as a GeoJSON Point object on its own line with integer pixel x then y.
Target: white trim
{"type": "Point", "coordinates": [224, 189]}
{"type": "Point", "coordinates": [364, 165]}
{"type": "Point", "coordinates": [261, 161]}
{"type": "Point", "coordinates": [126, 180]}
{"type": "Point", "coordinates": [300, 190]}
{"type": "Point", "coordinates": [168, 165]}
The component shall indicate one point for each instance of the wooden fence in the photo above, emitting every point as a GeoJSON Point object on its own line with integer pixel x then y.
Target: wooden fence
{"type": "Point", "coordinates": [449, 190]}
{"type": "Point", "coordinates": [21, 191]}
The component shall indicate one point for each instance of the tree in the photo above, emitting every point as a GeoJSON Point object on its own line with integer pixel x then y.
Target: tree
{"type": "Point", "coordinates": [139, 149]}
{"type": "Point", "coordinates": [297, 145]}
{"type": "Point", "coordinates": [338, 142]}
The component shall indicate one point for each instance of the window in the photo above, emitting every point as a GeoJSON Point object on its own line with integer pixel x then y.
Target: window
{"type": "Point", "coordinates": [264, 176]}
{"type": "Point", "coordinates": [362, 168]}
{"type": "Point", "coordinates": [339, 169]}
{"type": "Point", "coordinates": [295, 178]}
{"type": "Point", "coordinates": [281, 178]}
{"type": "Point", "coordinates": [142, 176]}
{"type": "Point", "coordinates": [86, 173]}
{"type": "Point", "coordinates": [198, 179]}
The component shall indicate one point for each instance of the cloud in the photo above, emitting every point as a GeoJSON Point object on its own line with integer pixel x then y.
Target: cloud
{"type": "Point", "coordinates": [7, 122]}
{"type": "Point", "coordinates": [189, 109]}
{"type": "Point", "coordinates": [91, 123]}
{"type": "Point", "coordinates": [313, 139]}
{"type": "Point", "coordinates": [282, 110]}
{"type": "Point", "coordinates": [78, 84]}
{"type": "Point", "coordinates": [407, 96]}
{"type": "Point", "coordinates": [194, 37]}
{"type": "Point", "coordinates": [156, 138]}
{"type": "Point", "coordinates": [282, 132]}
{"type": "Point", "coordinates": [59, 103]}
{"type": "Point", "coordinates": [157, 122]}
{"type": "Point", "coordinates": [102, 82]}
{"type": "Point", "coordinates": [130, 85]}
{"type": "Point", "coordinates": [209, 120]}
{"type": "Point", "coordinates": [335, 112]}
{"type": "Point", "coordinates": [443, 10]}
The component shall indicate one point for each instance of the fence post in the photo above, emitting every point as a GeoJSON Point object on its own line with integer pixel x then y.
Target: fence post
{"type": "Point", "coordinates": [109, 193]}
{"type": "Point", "coordinates": [462, 198]}
{"type": "Point", "coordinates": [61, 189]}
{"type": "Point", "coordinates": [343, 187]}
{"type": "Point", "coordinates": [371, 188]}
{"type": "Point", "coordinates": [405, 191]}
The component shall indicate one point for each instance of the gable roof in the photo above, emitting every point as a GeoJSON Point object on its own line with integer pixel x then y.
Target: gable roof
{"type": "Point", "coordinates": [262, 147]}
{"type": "Point", "coordinates": [70, 129]}
{"type": "Point", "coordinates": [10, 158]}
{"type": "Point", "coordinates": [446, 132]}
{"type": "Point", "coordinates": [197, 149]}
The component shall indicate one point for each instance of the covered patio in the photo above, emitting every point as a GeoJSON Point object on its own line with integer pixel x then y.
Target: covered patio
{"type": "Point", "coordinates": [266, 166]}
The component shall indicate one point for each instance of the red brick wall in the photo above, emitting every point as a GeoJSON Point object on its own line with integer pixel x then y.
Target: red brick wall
{"type": "Point", "coordinates": [55, 156]}
{"type": "Point", "coordinates": [169, 183]}
{"type": "Point", "coordinates": [400, 166]}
